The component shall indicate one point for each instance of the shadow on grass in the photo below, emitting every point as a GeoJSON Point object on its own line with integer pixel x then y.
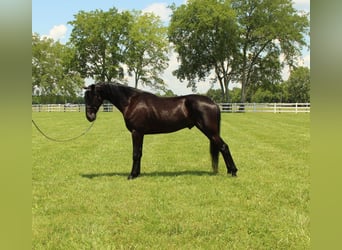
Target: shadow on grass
{"type": "Point", "coordinates": [152, 174]}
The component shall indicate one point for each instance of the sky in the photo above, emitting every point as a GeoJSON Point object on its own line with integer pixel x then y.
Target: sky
{"type": "Point", "coordinates": [50, 19]}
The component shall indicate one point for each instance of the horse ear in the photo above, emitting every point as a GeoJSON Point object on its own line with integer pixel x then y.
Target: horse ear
{"type": "Point", "coordinates": [90, 87]}
{"type": "Point", "coordinates": [98, 88]}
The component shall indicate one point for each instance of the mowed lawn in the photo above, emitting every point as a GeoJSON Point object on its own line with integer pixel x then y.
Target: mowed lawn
{"type": "Point", "coordinates": [83, 200]}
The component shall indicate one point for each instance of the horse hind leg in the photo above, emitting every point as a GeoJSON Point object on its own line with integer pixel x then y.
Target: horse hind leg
{"type": "Point", "coordinates": [214, 149]}
{"type": "Point", "coordinates": [224, 149]}
{"type": "Point", "coordinates": [231, 168]}
{"type": "Point", "coordinates": [214, 152]}
{"type": "Point", "coordinates": [218, 145]}
{"type": "Point", "coordinates": [209, 125]}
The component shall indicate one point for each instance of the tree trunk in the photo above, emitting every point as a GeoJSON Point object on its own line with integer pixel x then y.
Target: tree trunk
{"type": "Point", "coordinates": [226, 94]}
{"type": "Point", "coordinates": [224, 89]}
{"type": "Point", "coordinates": [136, 79]}
{"type": "Point", "coordinates": [243, 78]}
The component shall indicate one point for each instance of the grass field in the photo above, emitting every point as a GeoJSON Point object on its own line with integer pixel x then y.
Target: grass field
{"type": "Point", "coordinates": [82, 199]}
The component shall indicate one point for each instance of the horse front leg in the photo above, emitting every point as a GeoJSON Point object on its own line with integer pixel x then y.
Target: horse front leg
{"type": "Point", "coordinates": [137, 140]}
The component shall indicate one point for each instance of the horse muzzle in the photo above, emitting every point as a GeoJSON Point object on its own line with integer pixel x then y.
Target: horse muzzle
{"type": "Point", "coordinates": [91, 116]}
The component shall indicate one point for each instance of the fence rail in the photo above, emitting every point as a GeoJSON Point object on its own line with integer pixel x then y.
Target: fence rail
{"type": "Point", "coordinates": [225, 107]}
{"type": "Point", "coordinates": [265, 107]}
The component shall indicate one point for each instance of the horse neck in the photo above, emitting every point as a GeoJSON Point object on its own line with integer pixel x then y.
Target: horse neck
{"type": "Point", "coordinates": [117, 96]}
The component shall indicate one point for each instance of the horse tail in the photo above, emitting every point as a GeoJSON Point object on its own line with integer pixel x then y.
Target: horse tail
{"type": "Point", "coordinates": [214, 149]}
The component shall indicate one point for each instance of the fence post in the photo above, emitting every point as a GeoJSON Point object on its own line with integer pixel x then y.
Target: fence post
{"type": "Point", "coordinates": [275, 107]}
{"type": "Point", "coordinates": [296, 107]}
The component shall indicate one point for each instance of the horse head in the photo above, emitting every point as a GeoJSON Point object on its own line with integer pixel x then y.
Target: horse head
{"type": "Point", "coordinates": [93, 101]}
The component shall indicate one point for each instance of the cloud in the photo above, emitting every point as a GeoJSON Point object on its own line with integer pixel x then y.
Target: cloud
{"type": "Point", "coordinates": [302, 4]}
{"type": "Point", "coordinates": [172, 82]}
{"type": "Point", "coordinates": [178, 87]}
{"type": "Point", "coordinates": [302, 61]}
{"type": "Point", "coordinates": [306, 60]}
{"type": "Point", "coordinates": [57, 32]}
{"type": "Point", "coordinates": [159, 9]}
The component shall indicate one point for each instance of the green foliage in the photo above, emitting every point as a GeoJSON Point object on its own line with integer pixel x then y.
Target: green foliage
{"type": "Point", "coordinates": [52, 73]}
{"type": "Point", "coordinates": [264, 96]}
{"type": "Point", "coordinates": [57, 99]}
{"type": "Point", "coordinates": [204, 36]}
{"type": "Point", "coordinates": [263, 93]}
{"type": "Point", "coordinates": [98, 37]}
{"type": "Point", "coordinates": [146, 50]}
{"type": "Point", "coordinates": [267, 29]}
{"type": "Point", "coordinates": [81, 198]}
{"type": "Point", "coordinates": [235, 95]}
{"type": "Point", "coordinates": [216, 95]}
{"type": "Point", "coordinates": [237, 41]}
{"type": "Point", "coordinates": [297, 87]}
{"type": "Point", "coordinates": [105, 41]}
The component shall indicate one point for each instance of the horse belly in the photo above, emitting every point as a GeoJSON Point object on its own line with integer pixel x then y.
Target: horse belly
{"type": "Point", "coordinates": [168, 125]}
{"type": "Point", "coordinates": [162, 117]}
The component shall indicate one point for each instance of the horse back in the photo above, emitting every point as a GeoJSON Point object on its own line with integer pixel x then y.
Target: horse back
{"type": "Point", "coordinates": [152, 114]}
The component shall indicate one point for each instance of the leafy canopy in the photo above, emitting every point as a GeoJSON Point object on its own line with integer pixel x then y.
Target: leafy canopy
{"type": "Point", "coordinates": [147, 48]}
{"type": "Point", "coordinates": [99, 37]}
{"type": "Point", "coordinates": [52, 73]}
{"type": "Point", "coordinates": [241, 41]}
{"type": "Point", "coordinates": [204, 36]}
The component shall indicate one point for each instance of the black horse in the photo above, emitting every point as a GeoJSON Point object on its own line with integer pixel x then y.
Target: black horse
{"type": "Point", "coordinates": [145, 113]}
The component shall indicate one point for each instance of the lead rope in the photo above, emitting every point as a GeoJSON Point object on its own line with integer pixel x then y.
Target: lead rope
{"type": "Point", "coordinates": [62, 140]}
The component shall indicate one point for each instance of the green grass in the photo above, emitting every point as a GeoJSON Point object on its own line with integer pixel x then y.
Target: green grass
{"type": "Point", "coordinates": [82, 199]}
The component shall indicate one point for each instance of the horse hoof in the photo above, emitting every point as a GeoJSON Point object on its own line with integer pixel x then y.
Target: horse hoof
{"type": "Point", "coordinates": [131, 177]}
{"type": "Point", "coordinates": [234, 174]}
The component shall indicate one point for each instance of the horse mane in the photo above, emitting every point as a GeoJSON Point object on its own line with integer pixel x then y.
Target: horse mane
{"type": "Point", "coordinates": [113, 87]}
{"type": "Point", "coordinates": [119, 94]}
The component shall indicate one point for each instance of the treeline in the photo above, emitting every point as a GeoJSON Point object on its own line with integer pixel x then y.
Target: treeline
{"type": "Point", "coordinates": [224, 42]}
{"type": "Point", "coordinates": [57, 99]}
{"type": "Point", "coordinates": [295, 89]}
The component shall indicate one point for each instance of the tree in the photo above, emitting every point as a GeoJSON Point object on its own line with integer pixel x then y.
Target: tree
{"type": "Point", "coordinates": [216, 95]}
{"type": "Point", "coordinates": [267, 29]}
{"type": "Point", "coordinates": [297, 87]}
{"type": "Point", "coordinates": [265, 95]}
{"type": "Point", "coordinates": [204, 34]}
{"type": "Point", "coordinates": [98, 37]}
{"type": "Point", "coordinates": [241, 41]}
{"type": "Point", "coordinates": [235, 94]}
{"type": "Point", "coordinates": [146, 50]}
{"type": "Point", "coordinates": [51, 69]}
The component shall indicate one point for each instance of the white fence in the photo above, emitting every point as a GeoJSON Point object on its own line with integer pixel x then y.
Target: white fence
{"type": "Point", "coordinates": [265, 107]}
{"type": "Point", "coordinates": [107, 107]}
{"type": "Point", "coordinates": [225, 107]}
